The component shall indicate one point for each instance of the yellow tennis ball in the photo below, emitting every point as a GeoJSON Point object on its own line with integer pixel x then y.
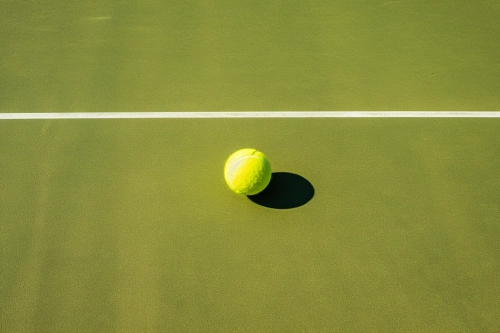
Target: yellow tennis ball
{"type": "Point", "coordinates": [247, 171]}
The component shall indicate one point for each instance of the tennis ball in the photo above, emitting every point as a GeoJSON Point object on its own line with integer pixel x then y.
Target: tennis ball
{"type": "Point", "coordinates": [247, 172]}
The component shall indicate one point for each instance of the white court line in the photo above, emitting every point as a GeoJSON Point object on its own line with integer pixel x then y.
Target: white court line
{"type": "Point", "coordinates": [256, 114]}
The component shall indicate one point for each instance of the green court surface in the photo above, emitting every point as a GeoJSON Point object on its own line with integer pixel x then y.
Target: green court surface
{"type": "Point", "coordinates": [157, 55]}
{"type": "Point", "coordinates": [369, 225]}
{"type": "Point", "coordinates": [127, 226]}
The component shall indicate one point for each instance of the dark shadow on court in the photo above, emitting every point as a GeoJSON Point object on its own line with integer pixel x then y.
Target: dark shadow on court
{"type": "Point", "coordinates": [286, 190]}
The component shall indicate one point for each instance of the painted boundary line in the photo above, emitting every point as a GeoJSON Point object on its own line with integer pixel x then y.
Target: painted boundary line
{"type": "Point", "coordinates": [259, 114]}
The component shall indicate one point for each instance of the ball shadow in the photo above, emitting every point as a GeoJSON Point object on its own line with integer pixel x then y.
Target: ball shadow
{"type": "Point", "coordinates": [285, 190]}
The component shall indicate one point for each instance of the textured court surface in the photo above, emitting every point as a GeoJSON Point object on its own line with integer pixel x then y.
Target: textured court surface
{"type": "Point", "coordinates": [127, 225]}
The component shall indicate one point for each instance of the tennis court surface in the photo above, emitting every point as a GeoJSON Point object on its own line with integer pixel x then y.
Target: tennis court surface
{"type": "Point", "coordinates": [127, 225]}
{"type": "Point", "coordinates": [371, 223]}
